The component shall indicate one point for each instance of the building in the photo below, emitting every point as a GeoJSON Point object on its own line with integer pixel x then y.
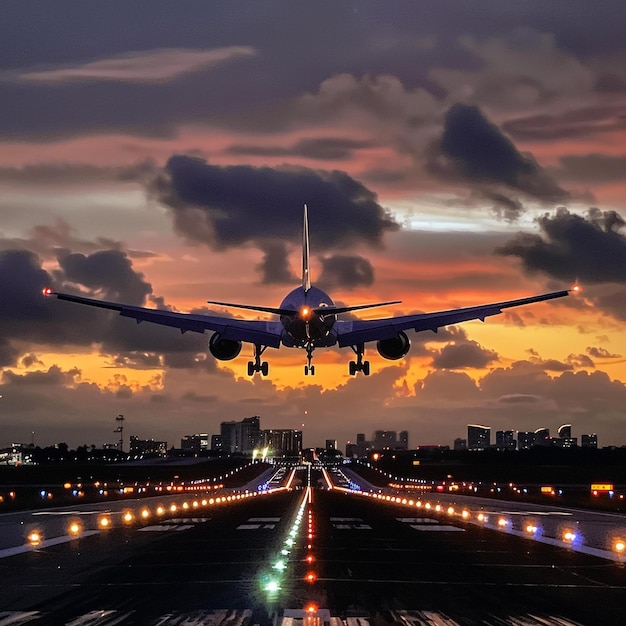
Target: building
{"type": "Point", "coordinates": [403, 440]}
{"type": "Point", "coordinates": [525, 439]}
{"type": "Point", "coordinates": [542, 437]}
{"type": "Point", "coordinates": [242, 437]}
{"type": "Point", "coordinates": [282, 442]}
{"type": "Point", "coordinates": [478, 437]}
{"type": "Point", "coordinates": [147, 447]}
{"type": "Point", "coordinates": [565, 431]}
{"type": "Point", "coordinates": [505, 440]}
{"type": "Point", "coordinates": [385, 440]}
{"type": "Point", "coordinates": [460, 444]}
{"type": "Point", "coordinates": [217, 443]}
{"type": "Point", "coordinates": [195, 444]}
{"type": "Point", "coordinates": [589, 441]}
{"type": "Point", "coordinates": [331, 444]}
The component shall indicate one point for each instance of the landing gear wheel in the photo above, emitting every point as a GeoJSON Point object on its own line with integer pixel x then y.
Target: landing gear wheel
{"type": "Point", "coordinates": [308, 368]}
{"type": "Point", "coordinates": [257, 365]}
{"type": "Point", "coordinates": [359, 365]}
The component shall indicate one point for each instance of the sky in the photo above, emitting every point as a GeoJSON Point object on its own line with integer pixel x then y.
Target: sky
{"type": "Point", "coordinates": [451, 154]}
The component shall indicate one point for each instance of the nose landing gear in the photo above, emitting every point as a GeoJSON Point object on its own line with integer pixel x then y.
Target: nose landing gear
{"type": "Point", "coordinates": [308, 368]}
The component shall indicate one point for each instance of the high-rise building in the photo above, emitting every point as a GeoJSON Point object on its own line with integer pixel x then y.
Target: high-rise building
{"type": "Point", "coordinates": [385, 440]}
{"type": "Point", "coordinates": [525, 439]}
{"type": "Point", "coordinates": [281, 442]}
{"type": "Point", "coordinates": [331, 444]}
{"type": "Point", "coordinates": [403, 440]}
{"type": "Point", "coordinates": [478, 437]}
{"type": "Point", "coordinates": [565, 431]}
{"type": "Point", "coordinates": [589, 441]}
{"type": "Point", "coordinates": [505, 440]}
{"type": "Point", "coordinates": [542, 437]}
{"type": "Point", "coordinates": [217, 443]}
{"type": "Point", "coordinates": [243, 436]}
{"type": "Point", "coordinates": [195, 443]}
{"type": "Point", "coordinates": [147, 447]}
{"type": "Point", "coordinates": [460, 444]}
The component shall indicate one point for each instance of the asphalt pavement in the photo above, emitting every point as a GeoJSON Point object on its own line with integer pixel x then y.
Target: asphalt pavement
{"type": "Point", "coordinates": [370, 562]}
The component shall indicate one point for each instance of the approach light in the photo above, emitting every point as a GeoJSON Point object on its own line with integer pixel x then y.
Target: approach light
{"type": "Point", "coordinates": [34, 538]}
{"type": "Point", "coordinates": [74, 528]}
{"type": "Point", "coordinates": [619, 546]}
{"type": "Point", "coordinates": [104, 522]}
{"type": "Point", "coordinates": [502, 523]}
{"type": "Point", "coordinates": [272, 586]}
{"type": "Point", "coordinates": [127, 517]}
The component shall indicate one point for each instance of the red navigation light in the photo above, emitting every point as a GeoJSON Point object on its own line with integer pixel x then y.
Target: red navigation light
{"type": "Point", "coordinates": [311, 608]}
{"type": "Point", "coordinates": [47, 291]}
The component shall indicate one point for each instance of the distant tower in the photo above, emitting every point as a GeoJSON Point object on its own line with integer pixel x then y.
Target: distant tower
{"type": "Point", "coordinates": [120, 430]}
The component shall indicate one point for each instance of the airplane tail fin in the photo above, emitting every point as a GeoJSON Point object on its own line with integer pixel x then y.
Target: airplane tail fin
{"type": "Point", "coordinates": [306, 276]}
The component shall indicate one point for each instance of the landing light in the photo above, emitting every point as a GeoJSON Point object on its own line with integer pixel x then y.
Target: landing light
{"type": "Point", "coordinates": [34, 538]}
{"type": "Point", "coordinates": [619, 546]}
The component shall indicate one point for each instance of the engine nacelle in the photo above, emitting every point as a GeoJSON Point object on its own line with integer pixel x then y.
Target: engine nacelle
{"type": "Point", "coordinates": [394, 348]}
{"type": "Point", "coordinates": [224, 349]}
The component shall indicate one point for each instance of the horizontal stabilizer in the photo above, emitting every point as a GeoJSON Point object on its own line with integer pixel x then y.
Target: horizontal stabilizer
{"type": "Point", "coordinates": [252, 307]}
{"type": "Point", "coordinates": [336, 310]}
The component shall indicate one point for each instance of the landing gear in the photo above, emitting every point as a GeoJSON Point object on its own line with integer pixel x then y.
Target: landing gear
{"type": "Point", "coordinates": [359, 365]}
{"type": "Point", "coordinates": [308, 368]}
{"type": "Point", "coordinates": [257, 365]}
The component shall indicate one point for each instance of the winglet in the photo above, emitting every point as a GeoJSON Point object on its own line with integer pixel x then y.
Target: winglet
{"type": "Point", "coordinates": [306, 277]}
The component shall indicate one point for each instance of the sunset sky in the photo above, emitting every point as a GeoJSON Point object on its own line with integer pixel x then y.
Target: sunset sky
{"type": "Point", "coordinates": [450, 153]}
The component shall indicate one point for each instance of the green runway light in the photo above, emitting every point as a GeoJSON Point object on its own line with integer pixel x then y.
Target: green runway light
{"type": "Point", "coordinates": [279, 565]}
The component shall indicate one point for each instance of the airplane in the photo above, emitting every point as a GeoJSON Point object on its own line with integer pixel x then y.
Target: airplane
{"type": "Point", "coordinates": [307, 320]}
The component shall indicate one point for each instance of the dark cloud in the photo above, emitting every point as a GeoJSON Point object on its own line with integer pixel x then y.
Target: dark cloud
{"type": "Point", "coordinates": [518, 398]}
{"type": "Point", "coordinates": [274, 267]}
{"type": "Point", "coordinates": [601, 353]}
{"type": "Point", "coordinates": [53, 376]}
{"type": "Point", "coordinates": [109, 272]}
{"type": "Point", "coordinates": [226, 206]}
{"type": "Point", "coordinates": [571, 247]}
{"type": "Point", "coordinates": [473, 149]}
{"type": "Point", "coordinates": [345, 272]}
{"type": "Point", "coordinates": [30, 319]}
{"type": "Point", "coordinates": [463, 355]}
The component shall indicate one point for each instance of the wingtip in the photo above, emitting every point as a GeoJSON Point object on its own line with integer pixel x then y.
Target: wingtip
{"type": "Point", "coordinates": [47, 291]}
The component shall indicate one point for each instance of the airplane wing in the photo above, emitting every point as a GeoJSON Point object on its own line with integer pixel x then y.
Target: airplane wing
{"type": "Point", "coordinates": [350, 333]}
{"type": "Point", "coordinates": [252, 331]}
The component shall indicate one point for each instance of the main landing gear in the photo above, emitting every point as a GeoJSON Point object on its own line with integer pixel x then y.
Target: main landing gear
{"type": "Point", "coordinates": [308, 368]}
{"type": "Point", "coordinates": [359, 365]}
{"type": "Point", "coordinates": [257, 365]}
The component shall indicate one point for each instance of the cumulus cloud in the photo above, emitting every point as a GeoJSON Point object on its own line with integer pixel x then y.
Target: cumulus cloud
{"type": "Point", "coordinates": [345, 271]}
{"type": "Point", "coordinates": [463, 355]}
{"type": "Point", "coordinates": [226, 206]}
{"type": "Point", "coordinates": [149, 66]}
{"type": "Point", "coordinates": [572, 246]}
{"type": "Point", "coordinates": [474, 150]}
{"type": "Point", "coordinates": [601, 353]}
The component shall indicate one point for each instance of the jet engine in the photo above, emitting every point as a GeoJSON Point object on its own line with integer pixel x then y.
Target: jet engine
{"type": "Point", "coordinates": [224, 349]}
{"type": "Point", "coordinates": [394, 348]}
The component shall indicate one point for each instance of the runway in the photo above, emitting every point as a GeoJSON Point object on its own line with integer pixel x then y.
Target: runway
{"type": "Point", "coordinates": [370, 563]}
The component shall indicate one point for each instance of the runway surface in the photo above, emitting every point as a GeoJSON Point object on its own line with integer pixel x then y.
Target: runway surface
{"type": "Point", "coordinates": [370, 562]}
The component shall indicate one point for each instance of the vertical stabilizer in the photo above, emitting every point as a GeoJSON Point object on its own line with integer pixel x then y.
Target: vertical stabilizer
{"type": "Point", "coordinates": [306, 277]}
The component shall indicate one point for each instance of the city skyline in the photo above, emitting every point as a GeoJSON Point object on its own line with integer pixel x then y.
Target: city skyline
{"type": "Point", "coordinates": [449, 157]}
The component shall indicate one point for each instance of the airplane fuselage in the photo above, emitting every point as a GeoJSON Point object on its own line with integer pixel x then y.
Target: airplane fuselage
{"type": "Point", "coordinates": [308, 327]}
